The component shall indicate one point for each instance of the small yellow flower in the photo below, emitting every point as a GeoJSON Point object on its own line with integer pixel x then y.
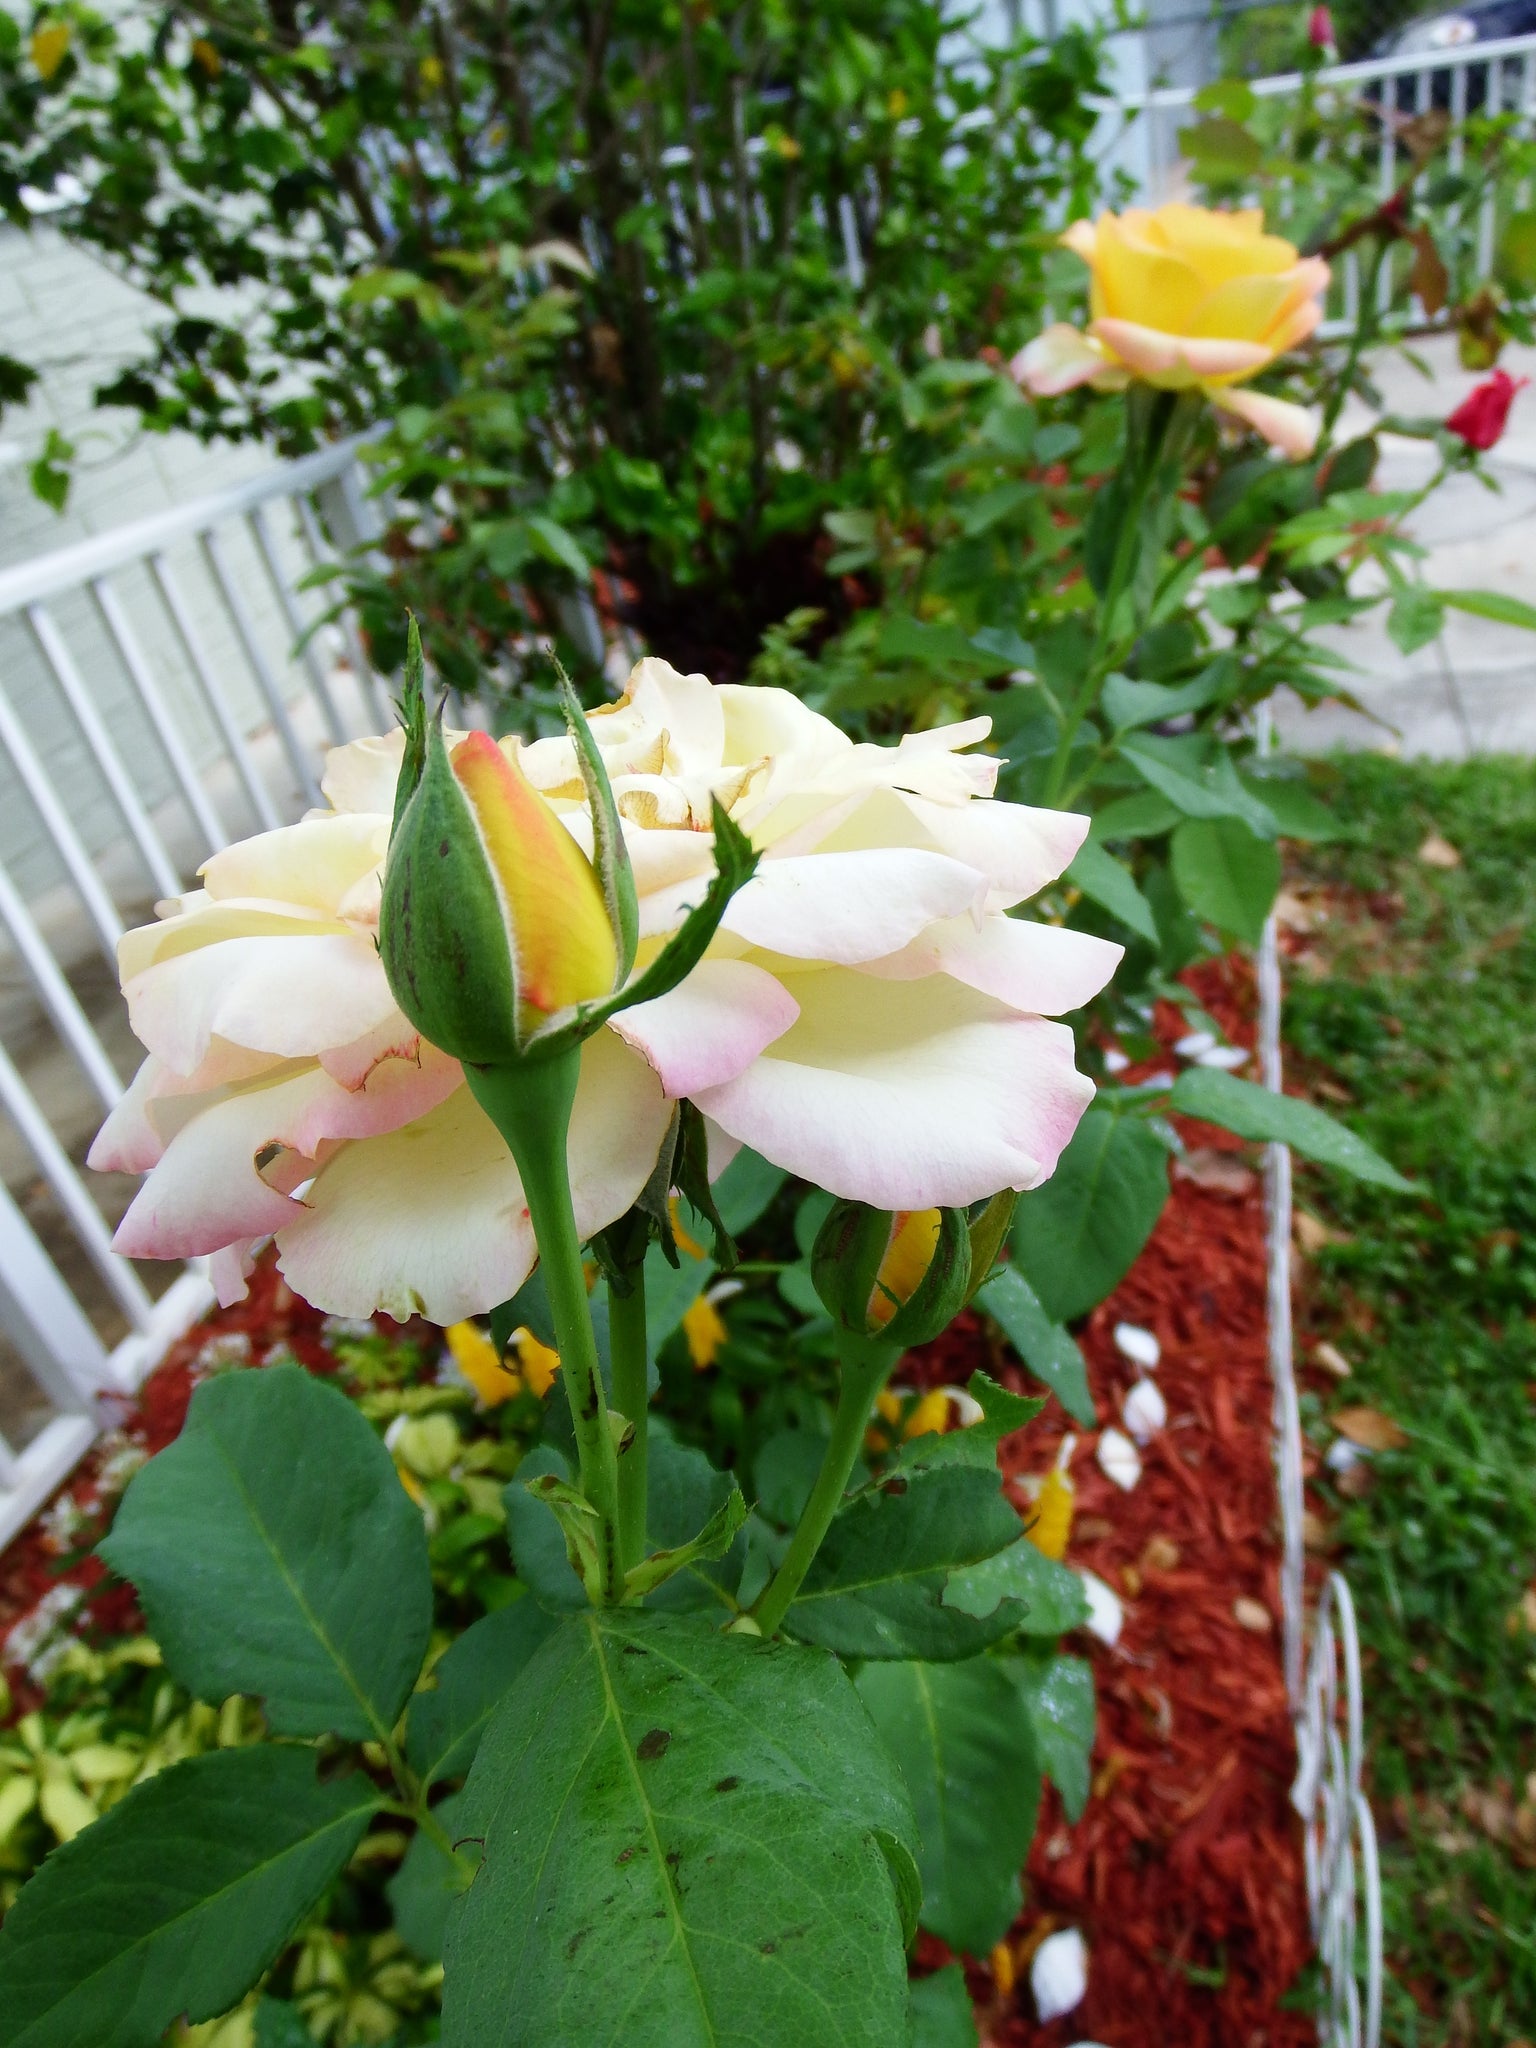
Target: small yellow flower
{"type": "Point", "coordinates": [930, 1416]}
{"type": "Point", "coordinates": [207, 56]}
{"type": "Point", "coordinates": [1004, 1975]}
{"type": "Point", "coordinates": [539, 1362]}
{"type": "Point", "coordinates": [50, 44]}
{"type": "Point", "coordinates": [432, 73]}
{"type": "Point", "coordinates": [1052, 1526]}
{"type": "Point", "coordinates": [704, 1328]}
{"type": "Point", "coordinates": [479, 1361]}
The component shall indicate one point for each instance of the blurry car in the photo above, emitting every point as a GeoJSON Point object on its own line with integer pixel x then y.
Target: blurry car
{"type": "Point", "coordinates": [1485, 21]}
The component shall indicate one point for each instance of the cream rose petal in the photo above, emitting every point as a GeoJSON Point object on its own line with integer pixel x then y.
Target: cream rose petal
{"type": "Point", "coordinates": [930, 1094]}
{"type": "Point", "coordinates": [362, 775]}
{"type": "Point", "coordinates": [316, 863]}
{"type": "Point", "coordinates": [206, 1190]}
{"type": "Point", "coordinates": [1018, 849]}
{"type": "Point", "coordinates": [850, 907]}
{"type": "Point", "coordinates": [711, 1026]}
{"type": "Point", "coordinates": [1179, 359]}
{"type": "Point", "coordinates": [1043, 969]}
{"type": "Point", "coordinates": [289, 996]}
{"type": "Point", "coordinates": [431, 1219]}
{"type": "Point", "coordinates": [1290, 428]}
{"type": "Point", "coordinates": [1059, 360]}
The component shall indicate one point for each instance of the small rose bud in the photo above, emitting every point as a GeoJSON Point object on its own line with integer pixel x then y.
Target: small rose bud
{"type": "Point", "coordinates": [1483, 415]}
{"type": "Point", "coordinates": [1320, 29]}
{"type": "Point", "coordinates": [493, 920]}
{"type": "Point", "coordinates": [900, 1276]}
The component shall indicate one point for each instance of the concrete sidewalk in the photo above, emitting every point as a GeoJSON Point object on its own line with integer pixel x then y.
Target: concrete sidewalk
{"type": "Point", "coordinates": [1473, 689]}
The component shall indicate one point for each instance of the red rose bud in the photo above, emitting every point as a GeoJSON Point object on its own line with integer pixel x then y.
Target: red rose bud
{"type": "Point", "coordinates": [1483, 414]}
{"type": "Point", "coordinates": [1320, 29]}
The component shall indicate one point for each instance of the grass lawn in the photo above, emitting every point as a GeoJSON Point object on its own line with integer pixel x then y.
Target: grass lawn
{"type": "Point", "coordinates": [1412, 1013]}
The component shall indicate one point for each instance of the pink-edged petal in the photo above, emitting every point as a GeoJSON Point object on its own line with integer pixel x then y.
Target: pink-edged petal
{"type": "Point", "coordinates": [315, 864]}
{"type": "Point", "coordinates": [431, 1219]}
{"type": "Point", "coordinates": [1290, 428]}
{"type": "Point", "coordinates": [1043, 969]}
{"type": "Point", "coordinates": [128, 1142]}
{"type": "Point", "coordinates": [206, 1192]}
{"type": "Point", "coordinates": [932, 1094]}
{"type": "Point", "coordinates": [710, 1026]}
{"type": "Point", "coordinates": [156, 1103]}
{"type": "Point", "coordinates": [1058, 360]}
{"type": "Point", "coordinates": [230, 1268]}
{"type": "Point", "coordinates": [229, 1162]}
{"type": "Point", "coordinates": [293, 997]}
{"type": "Point", "coordinates": [1178, 360]}
{"type": "Point", "coordinates": [849, 907]}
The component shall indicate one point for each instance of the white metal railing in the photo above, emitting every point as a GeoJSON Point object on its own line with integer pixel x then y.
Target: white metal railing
{"type": "Point", "coordinates": [1495, 77]}
{"type": "Point", "coordinates": [1327, 1706]}
{"type": "Point", "coordinates": [152, 698]}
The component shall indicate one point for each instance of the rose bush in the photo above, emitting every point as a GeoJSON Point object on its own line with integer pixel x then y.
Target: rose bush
{"type": "Point", "coordinates": [868, 1016]}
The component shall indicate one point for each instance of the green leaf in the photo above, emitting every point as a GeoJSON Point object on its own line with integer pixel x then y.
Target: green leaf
{"type": "Point", "coordinates": [670, 1291]}
{"type": "Point", "coordinates": [686, 1493]}
{"type": "Point", "coordinates": [1198, 789]}
{"type": "Point", "coordinates": [686, 1841]}
{"type": "Point", "coordinates": [280, 2025]}
{"type": "Point", "coordinates": [1222, 145]}
{"type": "Point", "coordinates": [1416, 617]}
{"type": "Point", "coordinates": [964, 1742]}
{"type": "Point", "coordinates": [1142, 815]}
{"type": "Point", "coordinates": [276, 1553]}
{"type": "Point", "coordinates": [746, 1188]}
{"type": "Point", "coordinates": [1515, 261]}
{"type": "Point", "coordinates": [1297, 812]}
{"type": "Point", "coordinates": [1127, 704]}
{"type": "Point", "coordinates": [1040, 1597]}
{"type": "Point", "coordinates": [446, 1723]}
{"type": "Point", "coordinates": [941, 2010]}
{"type": "Point", "coordinates": [1058, 1697]}
{"type": "Point", "coordinates": [610, 852]}
{"type": "Point", "coordinates": [556, 544]}
{"type": "Point", "coordinates": [1075, 1238]}
{"type": "Point", "coordinates": [1109, 883]}
{"type": "Point", "coordinates": [1226, 875]}
{"type": "Point", "coordinates": [422, 1891]}
{"type": "Point", "coordinates": [1259, 1113]}
{"type": "Point", "coordinates": [877, 1586]}
{"type": "Point", "coordinates": [987, 509]}
{"type": "Point", "coordinates": [1492, 604]}
{"type": "Point", "coordinates": [539, 1554]}
{"type": "Point", "coordinates": [1046, 1349]}
{"type": "Point", "coordinates": [176, 1900]}
{"type": "Point", "coordinates": [712, 1542]}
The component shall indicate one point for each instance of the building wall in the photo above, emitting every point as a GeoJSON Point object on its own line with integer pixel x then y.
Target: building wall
{"type": "Point", "coordinates": [66, 313]}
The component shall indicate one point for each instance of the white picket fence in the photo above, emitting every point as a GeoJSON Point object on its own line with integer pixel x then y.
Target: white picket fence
{"type": "Point", "coordinates": [133, 770]}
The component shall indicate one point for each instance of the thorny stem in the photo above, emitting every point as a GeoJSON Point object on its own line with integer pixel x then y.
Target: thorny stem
{"type": "Point", "coordinates": [867, 1363]}
{"type": "Point", "coordinates": [529, 1101]}
{"type": "Point", "coordinates": [627, 1341]}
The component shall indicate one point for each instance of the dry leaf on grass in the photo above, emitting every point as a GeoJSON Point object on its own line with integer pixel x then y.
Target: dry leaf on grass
{"type": "Point", "coordinates": [1370, 1429]}
{"type": "Point", "coordinates": [1331, 1359]}
{"type": "Point", "coordinates": [1439, 853]}
{"type": "Point", "coordinates": [1313, 1234]}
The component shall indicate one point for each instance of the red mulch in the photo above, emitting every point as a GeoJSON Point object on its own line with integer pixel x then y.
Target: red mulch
{"type": "Point", "coordinates": [56, 1549]}
{"type": "Point", "coordinates": [1184, 1873]}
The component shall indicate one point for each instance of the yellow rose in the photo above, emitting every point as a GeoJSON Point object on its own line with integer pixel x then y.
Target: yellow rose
{"type": "Point", "coordinates": [1182, 298]}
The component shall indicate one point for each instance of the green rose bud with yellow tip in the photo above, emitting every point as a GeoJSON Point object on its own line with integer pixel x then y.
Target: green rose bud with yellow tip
{"type": "Point", "coordinates": [898, 1277]}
